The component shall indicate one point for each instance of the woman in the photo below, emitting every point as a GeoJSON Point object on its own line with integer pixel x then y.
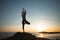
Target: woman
{"type": "Point", "coordinates": [24, 21]}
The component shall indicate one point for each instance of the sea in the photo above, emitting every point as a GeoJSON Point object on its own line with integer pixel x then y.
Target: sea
{"type": "Point", "coordinates": [41, 35]}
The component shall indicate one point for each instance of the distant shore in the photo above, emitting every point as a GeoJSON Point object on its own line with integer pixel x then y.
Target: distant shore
{"type": "Point", "coordinates": [51, 32]}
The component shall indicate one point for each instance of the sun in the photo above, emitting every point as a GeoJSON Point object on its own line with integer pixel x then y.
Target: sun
{"type": "Point", "coordinates": [41, 28]}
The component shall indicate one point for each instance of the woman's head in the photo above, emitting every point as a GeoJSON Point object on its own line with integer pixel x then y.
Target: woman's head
{"type": "Point", "coordinates": [23, 9]}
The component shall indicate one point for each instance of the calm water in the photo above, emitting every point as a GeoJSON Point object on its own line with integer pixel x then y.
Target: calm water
{"type": "Point", "coordinates": [49, 36]}
{"type": "Point", "coordinates": [43, 35]}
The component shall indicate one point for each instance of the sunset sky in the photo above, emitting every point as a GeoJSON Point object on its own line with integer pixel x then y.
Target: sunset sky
{"type": "Point", "coordinates": [43, 15]}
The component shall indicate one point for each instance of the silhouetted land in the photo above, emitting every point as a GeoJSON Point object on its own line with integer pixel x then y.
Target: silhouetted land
{"type": "Point", "coordinates": [24, 36]}
{"type": "Point", "coordinates": [51, 32]}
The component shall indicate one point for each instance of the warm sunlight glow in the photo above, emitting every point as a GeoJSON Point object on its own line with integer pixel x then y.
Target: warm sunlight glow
{"type": "Point", "coordinates": [41, 28]}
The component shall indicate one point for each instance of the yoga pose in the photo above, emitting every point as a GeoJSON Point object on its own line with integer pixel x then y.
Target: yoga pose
{"type": "Point", "coordinates": [24, 21]}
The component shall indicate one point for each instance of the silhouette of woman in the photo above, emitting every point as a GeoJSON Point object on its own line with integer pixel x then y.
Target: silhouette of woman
{"type": "Point", "coordinates": [24, 21]}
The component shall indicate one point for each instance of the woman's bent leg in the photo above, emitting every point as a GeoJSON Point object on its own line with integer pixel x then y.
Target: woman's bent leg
{"type": "Point", "coordinates": [27, 22]}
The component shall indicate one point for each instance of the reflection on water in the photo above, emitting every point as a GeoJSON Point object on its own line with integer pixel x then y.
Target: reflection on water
{"type": "Point", "coordinates": [40, 35]}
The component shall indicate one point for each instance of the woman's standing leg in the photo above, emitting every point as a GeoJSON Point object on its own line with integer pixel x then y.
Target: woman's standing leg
{"type": "Point", "coordinates": [23, 25]}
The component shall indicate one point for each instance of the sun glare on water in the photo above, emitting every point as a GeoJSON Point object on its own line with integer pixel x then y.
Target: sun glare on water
{"type": "Point", "coordinates": [40, 35]}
